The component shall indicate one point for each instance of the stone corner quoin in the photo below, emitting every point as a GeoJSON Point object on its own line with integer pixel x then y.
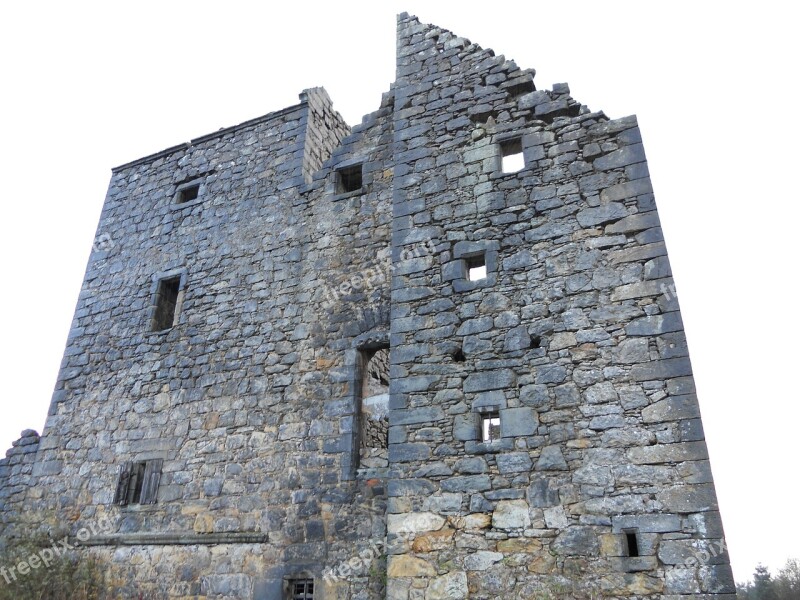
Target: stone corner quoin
{"type": "Point", "coordinates": [435, 355]}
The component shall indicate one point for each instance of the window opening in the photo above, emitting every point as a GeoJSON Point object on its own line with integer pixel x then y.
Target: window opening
{"type": "Point", "coordinates": [166, 303]}
{"type": "Point", "coordinates": [631, 543]}
{"type": "Point", "coordinates": [513, 159]}
{"type": "Point", "coordinates": [349, 179]}
{"type": "Point", "coordinates": [138, 482]}
{"type": "Point", "coordinates": [476, 267]}
{"type": "Point", "coordinates": [374, 414]}
{"type": "Point", "coordinates": [490, 426]}
{"type": "Point", "coordinates": [188, 193]}
{"type": "Point", "coordinates": [301, 589]}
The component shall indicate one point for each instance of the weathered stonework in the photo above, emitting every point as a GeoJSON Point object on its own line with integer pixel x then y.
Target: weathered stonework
{"type": "Point", "coordinates": [282, 456]}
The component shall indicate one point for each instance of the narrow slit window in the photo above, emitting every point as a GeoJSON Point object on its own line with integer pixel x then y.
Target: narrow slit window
{"type": "Point", "coordinates": [513, 159]}
{"type": "Point", "coordinates": [631, 544]}
{"type": "Point", "coordinates": [373, 419]}
{"type": "Point", "coordinates": [349, 179]}
{"type": "Point", "coordinates": [490, 427]}
{"type": "Point", "coordinates": [188, 193]}
{"type": "Point", "coordinates": [166, 303]}
{"type": "Point", "coordinates": [301, 589]}
{"type": "Point", "coordinates": [476, 267]}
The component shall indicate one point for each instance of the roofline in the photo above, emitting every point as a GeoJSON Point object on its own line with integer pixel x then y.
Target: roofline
{"type": "Point", "coordinates": [209, 136]}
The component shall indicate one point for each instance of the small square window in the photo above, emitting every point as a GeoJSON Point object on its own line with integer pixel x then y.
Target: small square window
{"type": "Point", "coordinates": [512, 159]}
{"type": "Point", "coordinates": [188, 193]}
{"type": "Point", "coordinates": [348, 179]}
{"type": "Point", "coordinates": [166, 302]}
{"type": "Point", "coordinates": [138, 482]}
{"type": "Point", "coordinates": [476, 267]}
{"type": "Point", "coordinates": [490, 426]}
{"type": "Point", "coordinates": [301, 589]}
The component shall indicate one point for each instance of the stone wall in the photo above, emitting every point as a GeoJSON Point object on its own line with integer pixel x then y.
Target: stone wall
{"type": "Point", "coordinates": [15, 478]}
{"type": "Point", "coordinates": [570, 337]}
{"type": "Point", "coordinates": [311, 248]}
{"type": "Point", "coordinates": [235, 399]}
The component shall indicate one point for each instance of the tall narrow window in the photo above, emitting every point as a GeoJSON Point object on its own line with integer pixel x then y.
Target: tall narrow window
{"type": "Point", "coordinates": [166, 303]}
{"type": "Point", "coordinates": [301, 589]}
{"type": "Point", "coordinates": [631, 543]}
{"type": "Point", "coordinates": [374, 413]}
{"type": "Point", "coordinates": [490, 426]}
{"type": "Point", "coordinates": [512, 158]}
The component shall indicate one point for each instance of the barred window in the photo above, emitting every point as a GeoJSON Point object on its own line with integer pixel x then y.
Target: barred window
{"type": "Point", "coordinates": [301, 589]}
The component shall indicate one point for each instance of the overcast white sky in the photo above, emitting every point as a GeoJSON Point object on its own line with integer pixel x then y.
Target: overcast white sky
{"type": "Point", "coordinates": [85, 87]}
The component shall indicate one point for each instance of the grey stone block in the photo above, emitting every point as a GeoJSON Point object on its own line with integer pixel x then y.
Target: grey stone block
{"type": "Point", "coordinates": [624, 191]}
{"type": "Point", "coordinates": [516, 422]}
{"type": "Point", "coordinates": [490, 380]}
{"type": "Point", "coordinates": [625, 156]}
{"type": "Point", "coordinates": [412, 416]}
{"type": "Point", "coordinates": [648, 523]}
{"type": "Point", "coordinates": [550, 374]}
{"type": "Point", "coordinates": [668, 453]}
{"type": "Point", "coordinates": [534, 395]}
{"type": "Point", "coordinates": [689, 498]}
{"type": "Point", "coordinates": [471, 465]}
{"type": "Point", "coordinates": [661, 369]}
{"type": "Point", "coordinates": [410, 487]}
{"type": "Point", "coordinates": [542, 492]}
{"type": "Point", "coordinates": [517, 339]}
{"type": "Point", "coordinates": [551, 459]}
{"type": "Point", "coordinates": [674, 408]}
{"type": "Point", "coordinates": [465, 427]}
{"type": "Point", "coordinates": [590, 217]}
{"type": "Point", "coordinates": [577, 541]}
{"type": "Point", "coordinates": [467, 483]}
{"type": "Point", "coordinates": [409, 452]}
{"type": "Point", "coordinates": [514, 462]}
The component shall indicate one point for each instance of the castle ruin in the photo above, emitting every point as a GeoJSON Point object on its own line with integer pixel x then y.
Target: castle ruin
{"type": "Point", "coordinates": [434, 356]}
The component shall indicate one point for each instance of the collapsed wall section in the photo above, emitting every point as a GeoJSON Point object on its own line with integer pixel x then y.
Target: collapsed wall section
{"type": "Point", "coordinates": [544, 425]}
{"type": "Point", "coordinates": [16, 470]}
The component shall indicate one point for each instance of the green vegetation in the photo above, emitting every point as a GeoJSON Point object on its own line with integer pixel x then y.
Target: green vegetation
{"type": "Point", "coordinates": [36, 567]}
{"type": "Point", "coordinates": [784, 586]}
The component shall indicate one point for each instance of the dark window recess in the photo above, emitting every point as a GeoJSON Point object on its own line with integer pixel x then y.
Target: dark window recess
{"type": "Point", "coordinates": [476, 267]}
{"type": "Point", "coordinates": [301, 589]}
{"type": "Point", "coordinates": [189, 193]}
{"type": "Point", "coordinates": [166, 303]}
{"type": "Point", "coordinates": [458, 356]}
{"type": "Point", "coordinates": [490, 426]}
{"type": "Point", "coordinates": [536, 342]}
{"type": "Point", "coordinates": [138, 482]}
{"type": "Point", "coordinates": [631, 544]}
{"type": "Point", "coordinates": [348, 179]}
{"type": "Point", "coordinates": [512, 158]}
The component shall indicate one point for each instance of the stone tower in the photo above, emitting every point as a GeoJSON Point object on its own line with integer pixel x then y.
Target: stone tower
{"type": "Point", "coordinates": [434, 356]}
